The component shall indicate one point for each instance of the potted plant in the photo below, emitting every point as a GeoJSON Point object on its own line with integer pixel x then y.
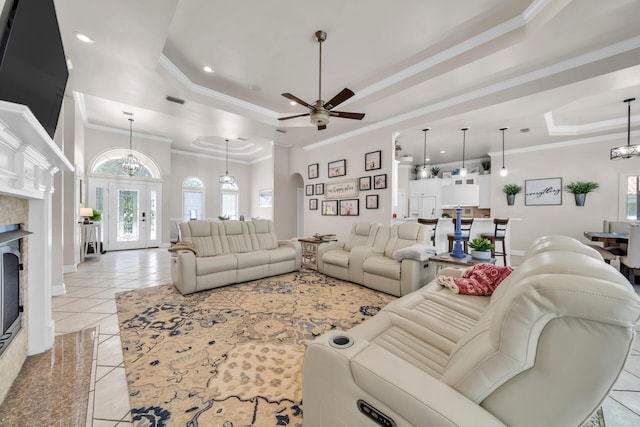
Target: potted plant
{"type": "Point", "coordinates": [580, 190]}
{"type": "Point", "coordinates": [511, 190]}
{"type": "Point", "coordinates": [486, 165]}
{"type": "Point", "coordinates": [96, 217]}
{"type": "Point", "coordinates": [398, 148]}
{"type": "Point", "coordinates": [480, 248]}
{"type": "Point", "coordinates": [435, 170]}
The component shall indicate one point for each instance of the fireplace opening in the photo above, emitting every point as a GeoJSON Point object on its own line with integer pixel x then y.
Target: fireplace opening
{"type": "Point", "coordinates": [11, 301]}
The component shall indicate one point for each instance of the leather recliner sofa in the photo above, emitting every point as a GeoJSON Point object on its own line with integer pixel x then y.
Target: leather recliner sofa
{"type": "Point", "coordinates": [229, 252]}
{"type": "Point", "coordinates": [544, 350]}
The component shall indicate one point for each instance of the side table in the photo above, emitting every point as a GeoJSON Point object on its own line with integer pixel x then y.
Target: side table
{"type": "Point", "coordinates": [310, 251]}
{"type": "Point", "coordinates": [446, 260]}
{"type": "Point", "coordinates": [90, 236]}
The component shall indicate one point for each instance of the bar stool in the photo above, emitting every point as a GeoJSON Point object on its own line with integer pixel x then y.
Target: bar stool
{"type": "Point", "coordinates": [498, 235]}
{"type": "Point", "coordinates": [430, 221]}
{"type": "Point", "coordinates": [465, 228]}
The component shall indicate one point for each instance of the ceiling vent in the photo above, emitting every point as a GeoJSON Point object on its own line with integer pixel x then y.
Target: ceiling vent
{"type": "Point", "coordinates": [281, 130]}
{"type": "Point", "coordinates": [174, 99]}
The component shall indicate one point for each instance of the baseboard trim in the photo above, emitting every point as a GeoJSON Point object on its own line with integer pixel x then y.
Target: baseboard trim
{"type": "Point", "coordinates": [70, 268]}
{"type": "Point", "coordinates": [58, 290]}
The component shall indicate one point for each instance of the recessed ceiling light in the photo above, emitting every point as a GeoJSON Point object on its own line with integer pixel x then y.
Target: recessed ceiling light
{"type": "Point", "coordinates": [525, 130]}
{"type": "Point", "coordinates": [207, 69]}
{"type": "Point", "coordinates": [427, 159]}
{"type": "Point", "coordinates": [293, 103]}
{"type": "Point", "coordinates": [83, 37]}
{"type": "Point", "coordinates": [442, 151]}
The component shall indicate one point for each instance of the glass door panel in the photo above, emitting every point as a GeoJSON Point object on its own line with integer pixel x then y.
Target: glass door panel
{"type": "Point", "coordinates": [128, 222]}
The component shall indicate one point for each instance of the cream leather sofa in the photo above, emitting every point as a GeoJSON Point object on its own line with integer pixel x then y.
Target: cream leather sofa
{"type": "Point", "coordinates": [543, 350]}
{"type": "Point", "coordinates": [366, 257]}
{"type": "Point", "coordinates": [231, 252]}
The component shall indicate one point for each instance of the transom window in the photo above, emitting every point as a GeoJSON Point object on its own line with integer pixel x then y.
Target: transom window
{"type": "Point", "coordinates": [109, 163]}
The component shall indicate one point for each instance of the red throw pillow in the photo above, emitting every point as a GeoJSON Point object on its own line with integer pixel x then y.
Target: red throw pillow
{"type": "Point", "coordinates": [481, 279]}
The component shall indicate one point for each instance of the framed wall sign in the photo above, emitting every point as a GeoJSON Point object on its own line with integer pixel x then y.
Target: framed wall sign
{"type": "Point", "coordinates": [342, 189]}
{"type": "Point", "coordinates": [319, 189]}
{"type": "Point", "coordinates": [329, 207]}
{"type": "Point", "coordinates": [380, 181]}
{"type": "Point", "coordinates": [364, 183]}
{"type": "Point", "coordinates": [373, 161]}
{"type": "Point", "coordinates": [350, 207]}
{"type": "Point", "coordinates": [372, 201]}
{"type": "Point", "coordinates": [313, 204]}
{"type": "Point", "coordinates": [312, 170]}
{"type": "Point", "coordinates": [337, 168]}
{"type": "Point", "coordinates": [308, 190]}
{"type": "Point", "coordinates": [546, 191]}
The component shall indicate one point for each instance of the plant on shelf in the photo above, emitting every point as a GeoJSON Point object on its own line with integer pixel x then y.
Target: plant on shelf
{"type": "Point", "coordinates": [480, 248]}
{"type": "Point", "coordinates": [96, 217]}
{"type": "Point", "coordinates": [511, 190]}
{"type": "Point", "coordinates": [435, 170]}
{"type": "Point", "coordinates": [486, 165]}
{"type": "Point", "coordinates": [580, 189]}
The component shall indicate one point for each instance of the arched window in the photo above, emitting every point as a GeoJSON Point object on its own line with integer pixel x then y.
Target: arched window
{"type": "Point", "coordinates": [109, 163]}
{"type": "Point", "coordinates": [192, 199]}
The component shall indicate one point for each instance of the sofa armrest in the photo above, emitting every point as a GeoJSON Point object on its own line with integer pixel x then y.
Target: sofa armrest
{"type": "Point", "coordinates": [413, 275]}
{"type": "Point", "coordinates": [183, 271]}
{"type": "Point", "coordinates": [295, 245]}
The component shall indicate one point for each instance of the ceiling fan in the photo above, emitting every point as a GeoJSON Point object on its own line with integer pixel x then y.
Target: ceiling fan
{"type": "Point", "coordinates": [320, 111]}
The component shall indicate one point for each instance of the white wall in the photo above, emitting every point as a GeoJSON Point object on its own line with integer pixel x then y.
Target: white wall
{"type": "Point", "coordinates": [261, 179]}
{"type": "Point", "coordinates": [584, 162]}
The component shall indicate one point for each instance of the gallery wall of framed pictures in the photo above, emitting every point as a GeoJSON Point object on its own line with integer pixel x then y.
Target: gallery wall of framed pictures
{"type": "Point", "coordinates": [341, 197]}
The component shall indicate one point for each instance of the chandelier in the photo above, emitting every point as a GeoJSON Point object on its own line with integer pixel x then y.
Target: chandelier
{"type": "Point", "coordinates": [626, 151]}
{"type": "Point", "coordinates": [131, 164]}
{"type": "Point", "coordinates": [226, 178]}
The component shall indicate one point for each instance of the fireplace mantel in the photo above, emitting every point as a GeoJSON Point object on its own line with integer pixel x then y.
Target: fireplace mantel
{"type": "Point", "coordinates": [29, 159]}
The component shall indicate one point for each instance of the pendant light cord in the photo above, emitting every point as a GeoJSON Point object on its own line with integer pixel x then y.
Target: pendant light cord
{"type": "Point", "coordinates": [464, 142]}
{"type": "Point", "coordinates": [130, 136]}
{"type": "Point", "coordinates": [629, 101]}
{"type": "Point", "coordinates": [227, 159]}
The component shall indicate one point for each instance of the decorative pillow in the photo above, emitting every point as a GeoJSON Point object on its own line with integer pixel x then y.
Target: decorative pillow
{"type": "Point", "coordinates": [418, 252]}
{"type": "Point", "coordinates": [182, 246]}
{"type": "Point", "coordinates": [481, 279]}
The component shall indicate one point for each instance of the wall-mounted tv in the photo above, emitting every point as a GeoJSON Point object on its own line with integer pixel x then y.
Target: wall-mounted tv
{"type": "Point", "coordinates": [33, 66]}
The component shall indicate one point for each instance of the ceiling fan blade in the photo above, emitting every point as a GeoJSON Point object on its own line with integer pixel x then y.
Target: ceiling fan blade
{"type": "Point", "coordinates": [298, 100]}
{"type": "Point", "coordinates": [293, 117]}
{"type": "Point", "coordinates": [322, 127]}
{"type": "Point", "coordinates": [345, 115]}
{"type": "Point", "coordinates": [339, 98]}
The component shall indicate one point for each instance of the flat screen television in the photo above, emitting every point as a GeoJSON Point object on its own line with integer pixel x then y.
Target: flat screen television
{"type": "Point", "coordinates": [33, 66]}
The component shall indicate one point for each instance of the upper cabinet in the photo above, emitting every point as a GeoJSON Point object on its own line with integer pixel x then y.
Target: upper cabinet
{"type": "Point", "coordinates": [485, 191]}
{"type": "Point", "coordinates": [424, 187]}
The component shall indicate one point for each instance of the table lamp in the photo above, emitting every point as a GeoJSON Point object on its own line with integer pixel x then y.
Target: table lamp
{"type": "Point", "coordinates": [86, 213]}
{"type": "Point", "coordinates": [459, 195]}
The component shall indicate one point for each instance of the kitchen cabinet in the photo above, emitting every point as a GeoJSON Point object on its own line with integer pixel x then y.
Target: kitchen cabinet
{"type": "Point", "coordinates": [423, 207]}
{"type": "Point", "coordinates": [424, 187]}
{"type": "Point", "coordinates": [485, 191]}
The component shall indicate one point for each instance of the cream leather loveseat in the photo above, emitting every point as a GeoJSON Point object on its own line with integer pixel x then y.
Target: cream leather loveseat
{"type": "Point", "coordinates": [543, 350]}
{"type": "Point", "coordinates": [367, 257]}
{"type": "Point", "coordinates": [228, 252]}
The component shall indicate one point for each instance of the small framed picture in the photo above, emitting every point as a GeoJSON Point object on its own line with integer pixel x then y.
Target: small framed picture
{"type": "Point", "coordinates": [265, 198]}
{"type": "Point", "coordinates": [372, 201]}
{"type": "Point", "coordinates": [313, 204]}
{"type": "Point", "coordinates": [364, 183]}
{"type": "Point", "coordinates": [308, 190]}
{"type": "Point", "coordinates": [330, 207]}
{"type": "Point", "coordinates": [380, 181]}
{"type": "Point", "coordinates": [372, 160]}
{"type": "Point", "coordinates": [312, 171]}
{"type": "Point", "coordinates": [337, 168]}
{"type": "Point", "coordinates": [319, 189]}
{"type": "Point", "coordinates": [350, 207]}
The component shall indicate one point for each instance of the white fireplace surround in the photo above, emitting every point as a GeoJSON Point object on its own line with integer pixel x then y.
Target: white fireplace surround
{"type": "Point", "coordinates": [29, 159]}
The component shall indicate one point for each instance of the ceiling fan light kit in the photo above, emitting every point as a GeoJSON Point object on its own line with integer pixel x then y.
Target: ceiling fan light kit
{"type": "Point", "coordinates": [321, 111]}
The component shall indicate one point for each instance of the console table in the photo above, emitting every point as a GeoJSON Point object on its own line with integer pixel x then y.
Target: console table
{"type": "Point", "coordinates": [90, 236]}
{"type": "Point", "coordinates": [310, 251]}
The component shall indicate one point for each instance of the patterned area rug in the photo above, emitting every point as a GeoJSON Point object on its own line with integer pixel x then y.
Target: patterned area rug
{"type": "Point", "coordinates": [231, 356]}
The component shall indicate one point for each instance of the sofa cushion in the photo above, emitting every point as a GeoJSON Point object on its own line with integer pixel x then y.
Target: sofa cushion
{"type": "Point", "coordinates": [263, 235]}
{"type": "Point", "coordinates": [419, 252]}
{"type": "Point", "coordinates": [201, 235]}
{"type": "Point", "coordinates": [337, 257]}
{"type": "Point", "coordinates": [215, 264]}
{"type": "Point", "coordinates": [362, 234]}
{"type": "Point", "coordinates": [382, 266]}
{"type": "Point", "coordinates": [252, 259]}
{"type": "Point", "coordinates": [236, 236]}
{"type": "Point", "coordinates": [281, 254]}
{"type": "Point", "coordinates": [403, 235]}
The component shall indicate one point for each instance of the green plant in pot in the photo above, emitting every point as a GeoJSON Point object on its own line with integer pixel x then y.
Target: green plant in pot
{"type": "Point", "coordinates": [511, 190]}
{"type": "Point", "coordinates": [480, 248]}
{"type": "Point", "coordinates": [580, 190]}
{"type": "Point", "coordinates": [96, 217]}
{"type": "Point", "coordinates": [486, 165]}
{"type": "Point", "coordinates": [435, 170]}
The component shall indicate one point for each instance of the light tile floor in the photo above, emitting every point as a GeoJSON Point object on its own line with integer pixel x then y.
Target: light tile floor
{"type": "Point", "coordinates": [90, 302]}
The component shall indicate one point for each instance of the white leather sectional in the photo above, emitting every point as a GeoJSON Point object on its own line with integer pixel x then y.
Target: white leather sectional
{"type": "Point", "coordinates": [231, 252]}
{"type": "Point", "coordinates": [366, 257]}
{"type": "Point", "coordinates": [544, 350]}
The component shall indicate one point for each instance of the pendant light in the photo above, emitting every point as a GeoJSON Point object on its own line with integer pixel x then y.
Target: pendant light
{"type": "Point", "coordinates": [131, 164]}
{"type": "Point", "coordinates": [424, 173]}
{"type": "Point", "coordinates": [463, 170]}
{"type": "Point", "coordinates": [503, 170]}
{"type": "Point", "coordinates": [626, 151]}
{"type": "Point", "coordinates": [226, 178]}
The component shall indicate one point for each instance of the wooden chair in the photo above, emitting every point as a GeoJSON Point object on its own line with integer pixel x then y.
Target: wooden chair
{"type": "Point", "coordinates": [430, 221]}
{"type": "Point", "coordinates": [465, 228]}
{"type": "Point", "coordinates": [499, 234]}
